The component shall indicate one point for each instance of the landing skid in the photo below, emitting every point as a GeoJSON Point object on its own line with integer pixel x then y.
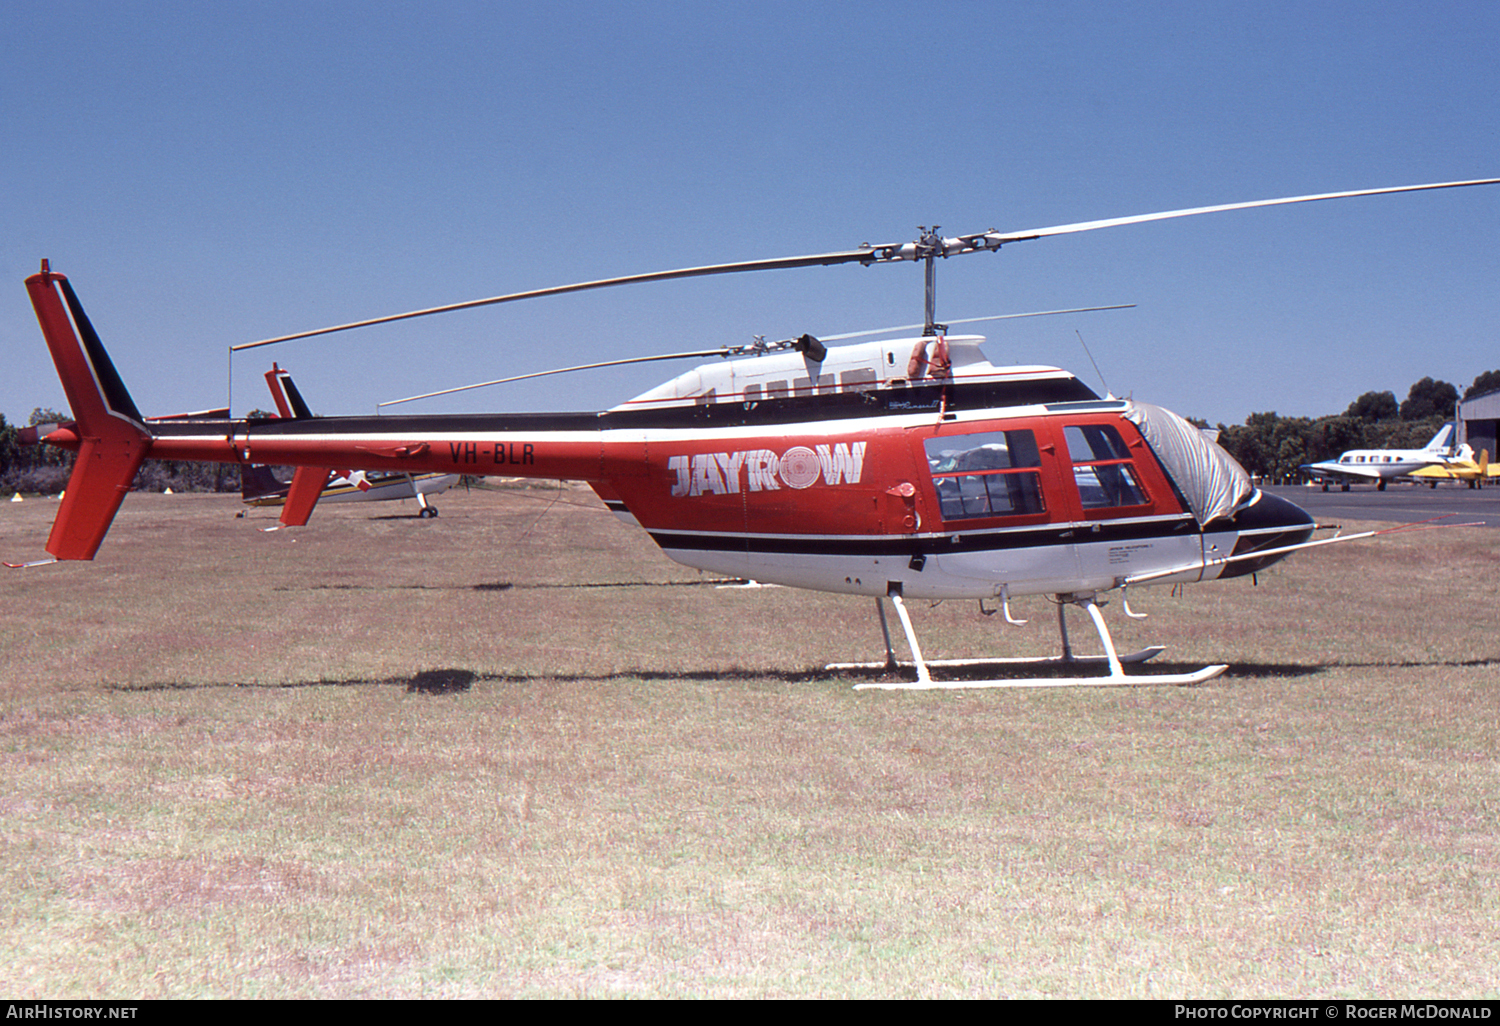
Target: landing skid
{"type": "Point", "coordinates": [1116, 677]}
{"type": "Point", "coordinates": [1140, 656]}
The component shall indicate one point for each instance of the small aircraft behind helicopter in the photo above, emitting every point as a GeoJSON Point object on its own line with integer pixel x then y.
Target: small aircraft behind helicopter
{"type": "Point", "coordinates": [260, 487]}
{"type": "Point", "coordinates": [311, 485]}
{"type": "Point", "coordinates": [890, 469]}
{"type": "Point", "coordinates": [1381, 465]}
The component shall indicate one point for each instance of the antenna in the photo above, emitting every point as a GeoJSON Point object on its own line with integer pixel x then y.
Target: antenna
{"type": "Point", "coordinates": [1091, 360]}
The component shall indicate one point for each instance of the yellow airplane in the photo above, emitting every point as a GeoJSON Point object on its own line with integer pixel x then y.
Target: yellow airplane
{"type": "Point", "coordinates": [1460, 470]}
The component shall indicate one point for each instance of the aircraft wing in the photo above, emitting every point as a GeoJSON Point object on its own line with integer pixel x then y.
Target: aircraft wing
{"type": "Point", "coordinates": [1466, 471]}
{"type": "Point", "coordinates": [1330, 469]}
{"type": "Point", "coordinates": [1446, 472]}
{"type": "Point", "coordinates": [1461, 470]}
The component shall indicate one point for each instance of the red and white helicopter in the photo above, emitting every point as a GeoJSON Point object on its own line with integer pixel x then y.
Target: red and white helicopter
{"type": "Point", "coordinates": [890, 469]}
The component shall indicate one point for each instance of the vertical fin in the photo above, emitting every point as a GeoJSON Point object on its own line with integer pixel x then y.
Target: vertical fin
{"type": "Point", "coordinates": [308, 482]}
{"type": "Point", "coordinates": [289, 401]}
{"type": "Point", "coordinates": [300, 409]}
{"type": "Point", "coordinates": [273, 382]}
{"type": "Point", "coordinates": [307, 487]}
{"type": "Point", "coordinates": [1443, 439]}
{"type": "Point", "coordinates": [113, 438]}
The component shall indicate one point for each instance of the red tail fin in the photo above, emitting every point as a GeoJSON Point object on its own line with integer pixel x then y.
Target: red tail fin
{"type": "Point", "coordinates": [113, 438]}
{"type": "Point", "coordinates": [307, 487]}
{"type": "Point", "coordinates": [308, 482]}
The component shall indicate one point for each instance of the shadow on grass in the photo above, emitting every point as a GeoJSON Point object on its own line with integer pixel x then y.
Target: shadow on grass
{"type": "Point", "coordinates": [441, 682]}
{"type": "Point", "coordinates": [1308, 669]}
{"type": "Point", "coordinates": [1278, 670]}
{"type": "Point", "coordinates": [511, 586]}
{"type": "Point", "coordinates": [1143, 673]}
{"type": "Point", "coordinates": [455, 681]}
{"type": "Point", "coordinates": [450, 681]}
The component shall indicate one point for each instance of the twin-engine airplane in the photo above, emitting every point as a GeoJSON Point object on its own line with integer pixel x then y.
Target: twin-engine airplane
{"type": "Point", "coordinates": [891, 469]}
{"type": "Point", "coordinates": [1380, 465]}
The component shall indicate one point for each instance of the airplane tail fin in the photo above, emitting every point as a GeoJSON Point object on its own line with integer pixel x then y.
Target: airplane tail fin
{"type": "Point", "coordinates": [257, 481]}
{"type": "Point", "coordinates": [112, 435]}
{"type": "Point", "coordinates": [1443, 439]}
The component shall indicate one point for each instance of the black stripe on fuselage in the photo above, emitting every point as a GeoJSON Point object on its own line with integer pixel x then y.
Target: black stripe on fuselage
{"type": "Point", "coordinates": [928, 545]}
{"type": "Point", "coordinates": [886, 402]}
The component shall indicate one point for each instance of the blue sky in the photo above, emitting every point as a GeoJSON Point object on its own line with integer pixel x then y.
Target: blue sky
{"type": "Point", "coordinates": [209, 174]}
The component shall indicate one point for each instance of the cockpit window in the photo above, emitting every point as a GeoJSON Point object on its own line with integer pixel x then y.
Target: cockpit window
{"type": "Point", "coordinates": [1102, 467]}
{"type": "Point", "coordinates": [987, 474]}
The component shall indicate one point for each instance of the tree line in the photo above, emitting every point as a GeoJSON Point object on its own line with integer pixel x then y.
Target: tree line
{"type": "Point", "coordinates": [1273, 447]}
{"type": "Point", "coordinates": [44, 469]}
{"type": "Point", "coordinates": [1267, 444]}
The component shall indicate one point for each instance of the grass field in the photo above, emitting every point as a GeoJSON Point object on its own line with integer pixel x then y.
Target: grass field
{"type": "Point", "coordinates": [515, 751]}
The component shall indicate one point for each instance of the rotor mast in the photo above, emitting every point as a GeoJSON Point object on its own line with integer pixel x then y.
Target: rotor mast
{"type": "Point", "coordinates": [929, 246]}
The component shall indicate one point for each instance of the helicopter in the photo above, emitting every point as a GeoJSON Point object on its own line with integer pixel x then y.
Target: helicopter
{"type": "Point", "coordinates": [898, 469]}
{"type": "Point", "coordinates": [311, 485]}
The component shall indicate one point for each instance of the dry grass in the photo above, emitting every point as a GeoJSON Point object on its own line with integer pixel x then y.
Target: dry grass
{"type": "Point", "coordinates": [387, 757]}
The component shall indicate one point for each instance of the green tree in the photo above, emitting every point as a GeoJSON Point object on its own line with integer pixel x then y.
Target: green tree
{"type": "Point", "coordinates": [1271, 446]}
{"type": "Point", "coordinates": [44, 455]}
{"type": "Point", "coordinates": [1333, 436]}
{"type": "Point", "coordinates": [7, 446]}
{"type": "Point", "coordinates": [1429, 398]}
{"type": "Point", "coordinates": [1489, 381]}
{"type": "Point", "coordinates": [1374, 406]}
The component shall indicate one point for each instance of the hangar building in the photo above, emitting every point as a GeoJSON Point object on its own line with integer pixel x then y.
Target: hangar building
{"type": "Point", "coordinates": [1477, 420]}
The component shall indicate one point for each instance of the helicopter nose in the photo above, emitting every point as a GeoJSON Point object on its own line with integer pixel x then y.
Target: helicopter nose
{"type": "Point", "coordinates": [1270, 522]}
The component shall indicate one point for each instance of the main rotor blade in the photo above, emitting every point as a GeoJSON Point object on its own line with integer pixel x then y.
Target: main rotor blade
{"type": "Point", "coordinates": [728, 351]}
{"type": "Point", "coordinates": [974, 320]}
{"type": "Point", "coordinates": [560, 370]}
{"type": "Point", "coordinates": [998, 238]}
{"type": "Point", "coordinates": [927, 246]}
{"type": "Point", "coordinates": [862, 255]}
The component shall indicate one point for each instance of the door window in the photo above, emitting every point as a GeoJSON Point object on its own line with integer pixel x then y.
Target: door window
{"type": "Point", "coordinates": [987, 474]}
